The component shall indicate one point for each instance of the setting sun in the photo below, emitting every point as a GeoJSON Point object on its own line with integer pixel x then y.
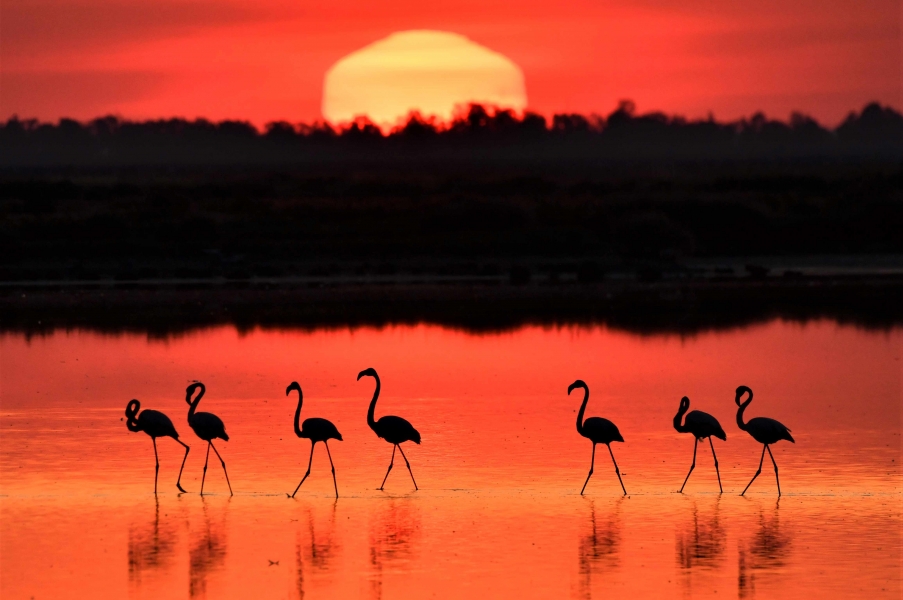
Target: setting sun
{"type": "Point", "coordinates": [428, 71]}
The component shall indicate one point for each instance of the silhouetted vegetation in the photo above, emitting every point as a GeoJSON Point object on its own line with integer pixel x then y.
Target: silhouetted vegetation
{"type": "Point", "coordinates": [645, 222]}
{"type": "Point", "coordinates": [478, 138]}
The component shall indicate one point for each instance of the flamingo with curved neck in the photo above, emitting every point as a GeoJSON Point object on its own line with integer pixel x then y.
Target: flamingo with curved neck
{"type": "Point", "coordinates": [394, 430]}
{"type": "Point", "coordinates": [702, 425]}
{"type": "Point", "coordinates": [598, 431]}
{"type": "Point", "coordinates": [764, 430]}
{"type": "Point", "coordinates": [316, 430]}
{"type": "Point", "coordinates": [206, 426]}
{"type": "Point", "coordinates": [155, 424]}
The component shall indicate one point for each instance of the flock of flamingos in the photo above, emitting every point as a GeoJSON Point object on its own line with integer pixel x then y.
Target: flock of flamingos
{"type": "Point", "coordinates": [397, 430]}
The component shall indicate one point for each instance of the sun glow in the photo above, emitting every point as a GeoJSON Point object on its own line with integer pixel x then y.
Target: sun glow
{"type": "Point", "coordinates": [431, 72]}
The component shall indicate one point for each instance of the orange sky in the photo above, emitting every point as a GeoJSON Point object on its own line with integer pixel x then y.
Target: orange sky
{"type": "Point", "coordinates": [266, 60]}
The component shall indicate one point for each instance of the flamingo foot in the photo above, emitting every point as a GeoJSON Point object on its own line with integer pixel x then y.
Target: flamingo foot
{"type": "Point", "coordinates": [181, 489]}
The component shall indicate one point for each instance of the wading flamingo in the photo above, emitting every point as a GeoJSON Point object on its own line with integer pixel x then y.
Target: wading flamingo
{"type": "Point", "coordinates": [206, 426]}
{"type": "Point", "coordinates": [155, 424]}
{"type": "Point", "coordinates": [598, 431]}
{"type": "Point", "coordinates": [394, 430]}
{"type": "Point", "coordinates": [764, 430]}
{"type": "Point", "coordinates": [316, 430]}
{"type": "Point", "coordinates": [702, 425]}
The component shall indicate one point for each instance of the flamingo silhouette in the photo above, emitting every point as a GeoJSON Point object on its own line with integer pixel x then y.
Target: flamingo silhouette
{"type": "Point", "coordinates": [598, 431]}
{"type": "Point", "coordinates": [316, 430]}
{"type": "Point", "coordinates": [394, 430]}
{"type": "Point", "coordinates": [155, 424]}
{"type": "Point", "coordinates": [764, 430]}
{"type": "Point", "coordinates": [206, 426]}
{"type": "Point", "coordinates": [701, 425]}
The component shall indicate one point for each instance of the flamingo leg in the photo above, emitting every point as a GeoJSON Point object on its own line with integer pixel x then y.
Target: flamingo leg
{"type": "Point", "coordinates": [692, 466]}
{"type": "Point", "coordinates": [390, 467]}
{"type": "Point", "coordinates": [400, 449]}
{"type": "Point", "coordinates": [179, 480]}
{"type": "Point", "coordinates": [592, 463]}
{"type": "Point", "coordinates": [775, 470]}
{"type": "Point", "coordinates": [222, 462]}
{"type": "Point", "coordinates": [332, 466]}
{"type": "Point", "coordinates": [204, 476]}
{"type": "Point", "coordinates": [157, 467]}
{"type": "Point", "coordinates": [720, 489]}
{"type": "Point", "coordinates": [764, 447]}
{"type": "Point", "coordinates": [309, 463]}
{"type": "Point", "coordinates": [617, 471]}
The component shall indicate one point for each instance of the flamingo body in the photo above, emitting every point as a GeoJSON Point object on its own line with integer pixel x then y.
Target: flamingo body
{"type": "Point", "coordinates": [396, 430]}
{"type": "Point", "coordinates": [601, 431]}
{"type": "Point", "coordinates": [319, 430]}
{"type": "Point", "coordinates": [156, 424]}
{"type": "Point", "coordinates": [768, 431]}
{"type": "Point", "coordinates": [703, 425]}
{"type": "Point", "coordinates": [208, 426]}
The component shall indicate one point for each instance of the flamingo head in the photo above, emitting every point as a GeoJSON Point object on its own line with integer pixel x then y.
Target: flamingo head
{"type": "Point", "coordinates": [292, 386]}
{"type": "Point", "coordinates": [131, 411]}
{"type": "Point", "coordinates": [740, 391]}
{"type": "Point", "coordinates": [684, 405]}
{"type": "Point", "coordinates": [579, 383]}
{"type": "Point", "coordinates": [371, 372]}
{"type": "Point", "coordinates": [189, 391]}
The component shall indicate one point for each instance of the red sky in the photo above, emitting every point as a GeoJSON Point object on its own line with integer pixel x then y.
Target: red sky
{"type": "Point", "coordinates": [265, 60]}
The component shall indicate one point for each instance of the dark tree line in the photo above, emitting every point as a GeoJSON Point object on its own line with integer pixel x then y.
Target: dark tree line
{"type": "Point", "coordinates": [478, 136]}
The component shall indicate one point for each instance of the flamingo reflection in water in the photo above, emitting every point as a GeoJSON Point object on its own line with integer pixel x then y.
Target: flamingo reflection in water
{"type": "Point", "coordinates": [207, 552]}
{"type": "Point", "coordinates": [151, 548]}
{"type": "Point", "coordinates": [702, 425]}
{"type": "Point", "coordinates": [764, 430]}
{"type": "Point", "coordinates": [155, 424]}
{"type": "Point", "coordinates": [765, 554]}
{"type": "Point", "coordinates": [394, 430]}
{"type": "Point", "coordinates": [316, 430]}
{"type": "Point", "coordinates": [206, 426]}
{"type": "Point", "coordinates": [320, 553]}
{"type": "Point", "coordinates": [598, 431]}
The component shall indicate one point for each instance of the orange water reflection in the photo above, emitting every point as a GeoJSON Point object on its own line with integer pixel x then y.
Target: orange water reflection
{"type": "Point", "coordinates": [500, 466]}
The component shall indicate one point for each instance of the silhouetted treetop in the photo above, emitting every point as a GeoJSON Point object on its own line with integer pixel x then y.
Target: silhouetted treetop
{"type": "Point", "coordinates": [475, 130]}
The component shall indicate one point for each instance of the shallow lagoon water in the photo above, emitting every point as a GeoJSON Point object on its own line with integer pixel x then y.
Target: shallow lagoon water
{"type": "Point", "coordinates": [500, 467]}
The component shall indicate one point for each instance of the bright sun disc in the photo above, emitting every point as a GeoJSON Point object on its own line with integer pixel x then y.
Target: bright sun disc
{"type": "Point", "coordinates": [428, 71]}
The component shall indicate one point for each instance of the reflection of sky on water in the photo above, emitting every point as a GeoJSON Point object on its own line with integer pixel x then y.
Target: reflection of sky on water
{"type": "Point", "coordinates": [500, 467]}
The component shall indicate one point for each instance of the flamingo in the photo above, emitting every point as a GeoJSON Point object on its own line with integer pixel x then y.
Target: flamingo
{"type": "Point", "coordinates": [764, 430]}
{"type": "Point", "coordinates": [702, 425]}
{"type": "Point", "coordinates": [155, 424]}
{"type": "Point", "coordinates": [394, 430]}
{"type": "Point", "coordinates": [598, 431]}
{"type": "Point", "coordinates": [206, 426]}
{"type": "Point", "coordinates": [316, 430]}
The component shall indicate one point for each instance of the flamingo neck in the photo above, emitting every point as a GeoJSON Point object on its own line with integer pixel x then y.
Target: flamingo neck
{"type": "Point", "coordinates": [678, 418]}
{"type": "Point", "coordinates": [131, 413]}
{"type": "Point", "coordinates": [196, 401]}
{"type": "Point", "coordinates": [298, 413]}
{"type": "Point", "coordinates": [582, 410]}
{"type": "Point", "coordinates": [740, 410]}
{"type": "Point", "coordinates": [371, 421]}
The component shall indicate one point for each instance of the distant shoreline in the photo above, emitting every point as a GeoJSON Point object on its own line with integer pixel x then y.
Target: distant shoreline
{"type": "Point", "coordinates": [669, 305]}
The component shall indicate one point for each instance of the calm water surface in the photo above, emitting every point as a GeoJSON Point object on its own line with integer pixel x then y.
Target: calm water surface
{"type": "Point", "coordinates": [501, 464]}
